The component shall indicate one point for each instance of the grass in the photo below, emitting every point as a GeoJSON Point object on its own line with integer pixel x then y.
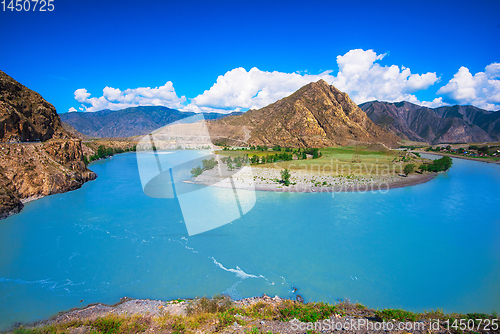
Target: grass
{"type": "Point", "coordinates": [109, 324]}
{"type": "Point", "coordinates": [217, 314]}
{"type": "Point", "coordinates": [216, 304]}
{"type": "Point", "coordinates": [310, 312]}
{"type": "Point", "coordinates": [345, 160]}
{"type": "Point", "coordinates": [398, 315]}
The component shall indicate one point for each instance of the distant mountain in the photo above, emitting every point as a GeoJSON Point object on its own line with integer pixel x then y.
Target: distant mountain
{"type": "Point", "coordinates": [317, 115]}
{"type": "Point", "coordinates": [440, 125]}
{"type": "Point", "coordinates": [128, 122]}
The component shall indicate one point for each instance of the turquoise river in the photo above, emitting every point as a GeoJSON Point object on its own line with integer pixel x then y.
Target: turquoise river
{"type": "Point", "coordinates": [433, 245]}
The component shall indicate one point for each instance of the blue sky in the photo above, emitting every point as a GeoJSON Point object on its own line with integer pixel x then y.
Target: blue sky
{"type": "Point", "coordinates": [218, 55]}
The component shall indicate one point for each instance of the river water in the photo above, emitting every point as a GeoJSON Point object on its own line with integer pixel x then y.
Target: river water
{"type": "Point", "coordinates": [434, 245]}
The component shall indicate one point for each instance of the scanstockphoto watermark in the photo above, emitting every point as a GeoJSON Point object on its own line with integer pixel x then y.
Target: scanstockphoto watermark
{"type": "Point", "coordinates": [179, 161]}
{"type": "Point", "coordinates": [338, 176]}
{"type": "Point", "coordinates": [361, 324]}
{"type": "Point", "coordinates": [339, 168]}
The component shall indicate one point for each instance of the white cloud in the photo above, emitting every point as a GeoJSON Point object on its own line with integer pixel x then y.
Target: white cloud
{"type": "Point", "coordinates": [437, 102]}
{"type": "Point", "coordinates": [359, 75]}
{"type": "Point", "coordinates": [72, 109]}
{"type": "Point", "coordinates": [357, 61]}
{"type": "Point", "coordinates": [254, 89]}
{"type": "Point", "coordinates": [481, 89]}
{"type": "Point", "coordinates": [81, 95]}
{"type": "Point", "coordinates": [365, 80]}
{"type": "Point", "coordinates": [114, 98]}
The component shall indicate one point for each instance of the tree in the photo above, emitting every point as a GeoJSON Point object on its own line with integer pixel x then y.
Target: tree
{"type": "Point", "coordinates": [408, 169]}
{"type": "Point", "coordinates": [209, 164]}
{"type": "Point", "coordinates": [196, 171]}
{"type": "Point", "coordinates": [285, 177]}
{"type": "Point", "coordinates": [484, 149]}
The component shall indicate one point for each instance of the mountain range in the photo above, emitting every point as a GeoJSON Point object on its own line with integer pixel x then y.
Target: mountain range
{"type": "Point", "coordinates": [450, 124]}
{"type": "Point", "coordinates": [316, 115]}
{"type": "Point", "coordinates": [133, 121]}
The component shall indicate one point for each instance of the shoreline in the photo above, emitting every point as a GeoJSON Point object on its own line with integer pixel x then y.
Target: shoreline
{"type": "Point", "coordinates": [29, 199]}
{"type": "Point", "coordinates": [459, 157]}
{"type": "Point", "coordinates": [259, 314]}
{"type": "Point", "coordinates": [264, 179]}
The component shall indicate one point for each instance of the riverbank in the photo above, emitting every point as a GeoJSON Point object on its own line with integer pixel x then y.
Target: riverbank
{"type": "Point", "coordinates": [30, 171]}
{"type": "Point", "coordinates": [459, 157]}
{"type": "Point", "coordinates": [266, 179]}
{"type": "Point", "coordinates": [252, 315]}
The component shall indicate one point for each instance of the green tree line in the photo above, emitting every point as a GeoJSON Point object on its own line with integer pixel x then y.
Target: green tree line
{"type": "Point", "coordinates": [438, 165]}
{"type": "Point", "coordinates": [103, 152]}
{"type": "Point", "coordinates": [207, 164]}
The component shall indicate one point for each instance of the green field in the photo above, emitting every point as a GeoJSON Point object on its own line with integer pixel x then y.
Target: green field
{"type": "Point", "coordinates": [342, 160]}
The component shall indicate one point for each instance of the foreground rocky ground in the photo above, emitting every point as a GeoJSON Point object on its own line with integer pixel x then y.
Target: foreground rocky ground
{"type": "Point", "coordinates": [254, 315]}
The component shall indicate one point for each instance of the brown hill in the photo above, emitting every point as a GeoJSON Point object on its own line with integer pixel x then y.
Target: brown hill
{"type": "Point", "coordinates": [37, 156]}
{"type": "Point", "coordinates": [317, 115]}
{"type": "Point", "coordinates": [25, 115]}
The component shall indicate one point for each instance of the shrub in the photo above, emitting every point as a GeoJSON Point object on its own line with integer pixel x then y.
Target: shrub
{"type": "Point", "coordinates": [218, 303]}
{"type": "Point", "coordinates": [225, 319]}
{"type": "Point", "coordinates": [398, 315]}
{"type": "Point", "coordinates": [408, 169]}
{"type": "Point", "coordinates": [108, 324]}
{"type": "Point", "coordinates": [285, 177]}
{"type": "Point", "coordinates": [261, 310]}
{"type": "Point", "coordinates": [310, 312]}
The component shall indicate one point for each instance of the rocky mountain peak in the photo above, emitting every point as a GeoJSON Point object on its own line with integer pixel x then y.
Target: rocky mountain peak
{"type": "Point", "coordinates": [317, 115]}
{"type": "Point", "coordinates": [25, 115]}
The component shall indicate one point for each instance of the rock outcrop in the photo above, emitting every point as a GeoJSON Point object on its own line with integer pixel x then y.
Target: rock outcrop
{"type": "Point", "coordinates": [25, 115]}
{"type": "Point", "coordinates": [37, 156]}
{"type": "Point", "coordinates": [30, 171]}
{"type": "Point", "coordinates": [317, 115]}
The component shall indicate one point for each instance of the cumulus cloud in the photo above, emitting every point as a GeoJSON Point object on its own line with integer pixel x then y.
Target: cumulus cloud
{"type": "Point", "coordinates": [81, 95]}
{"type": "Point", "coordinates": [72, 109]}
{"type": "Point", "coordinates": [114, 98]}
{"type": "Point", "coordinates": [481, 89]}
{"type": "Point", "coordinates": [254, 89]}
{"type": "Point", "coordinates": [359, 75]}
{"type": "Point", "coordinates": [365, 80]}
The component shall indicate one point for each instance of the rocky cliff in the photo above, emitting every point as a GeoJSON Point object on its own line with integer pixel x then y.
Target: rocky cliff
{"type": "Point", "coordinates": [31, 171]}
{"type": "Point", "coordinates": [37, 156]}
{"type": "Point", "coordinates": [25, 115]}
{"type": "Point", "coordinates": [317, 115]}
